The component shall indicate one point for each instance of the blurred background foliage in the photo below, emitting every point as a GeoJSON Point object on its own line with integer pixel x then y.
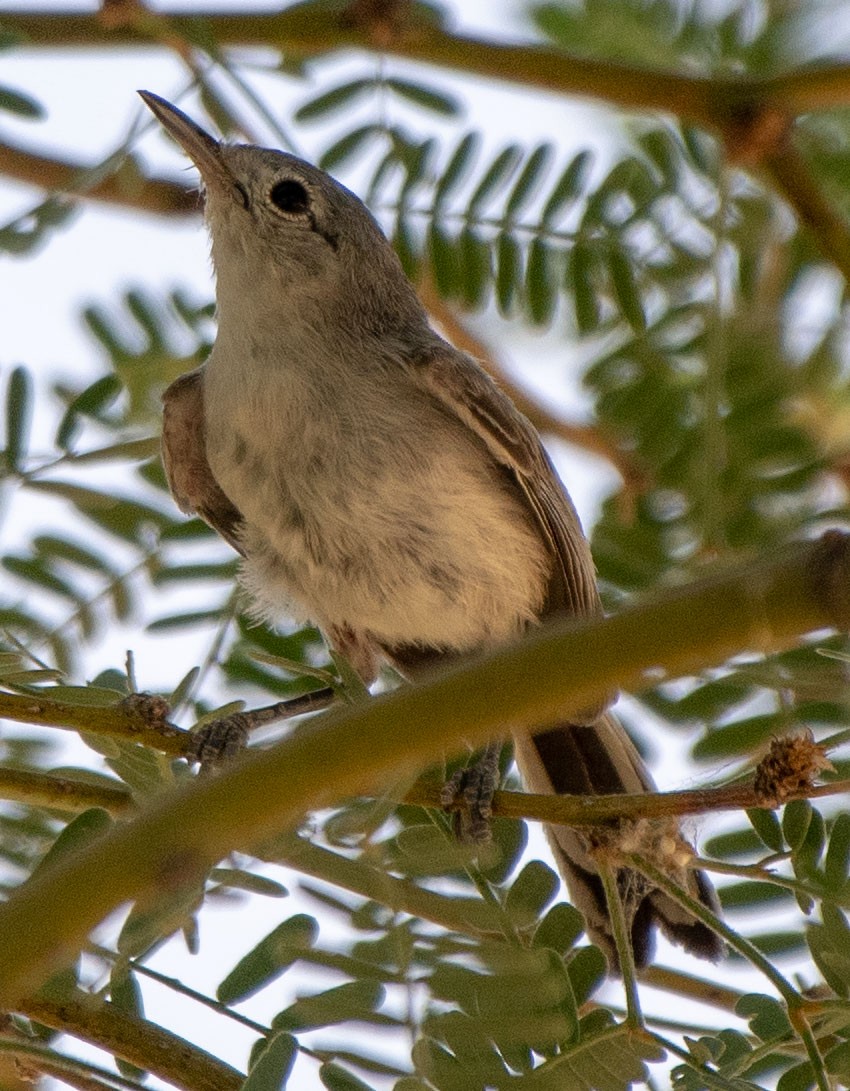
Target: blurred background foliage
{"type": "Point", "coordinates": [691, 280]}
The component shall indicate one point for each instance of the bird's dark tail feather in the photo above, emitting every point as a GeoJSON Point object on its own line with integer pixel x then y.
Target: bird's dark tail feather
{"type": "Point", "coordinates": [600, 758]}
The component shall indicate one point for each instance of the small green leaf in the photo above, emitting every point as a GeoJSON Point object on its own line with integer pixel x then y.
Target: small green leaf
{"type": "Point", "coordinates": [540, 283]}
{"type": "Point", "coordinates": [239, 879]}
{"type": "Point", "coordinates": [125, 992]}
{"type": "Point", "coordinates": [354, 1000]}
{"type": "Point", "coordinates": [799, 1078]}
{"type": "Point", "coordinates": [183, 688]}
{"type": "Point", "coordinates": [753, 896]}
{"type": "Point", "coordinates": [795, 822]}
{"type": "Point", "coordinates": [532, 890]}
{"type": "Point", "coordinates": [406, 248]}
{"type": "Point", "coordinates": [48, 545]}
{"type": "Point", "coordinates": [337, 1078]}
{"type": "Point", "coordinates": [580, 278]}
{"type": "Point", "coordinates": [494, 178]}
{"type": "Point", "coordinates": [149, 924]}
{"type": "Point", "coordinates": [19, 406]}
{"type": "Point", "coordinates": [560, 928]}
{"type": "Point", "coordinates": [347, 147]}
{"type": "Point", "coordinates": [127, 998]}
{"type": "Point", "coordinates": [94, 696]}
{"type": "Point", "coordinates": [272, 1065]}
{"type": "Point", "coordinates": [85, 828]}
{"type": "Point", "coordinates": [474, 256]}
{"type": "Point", "coordinates": [626, 289]}
{"type": "Point", "coordinates": [807, 856]}
{"type": "Point", "coordinates": [271, 957]}
{"type": "Point", "coordinates": [100, 395]}
{"type": "Point", "coordinates": [837, 1060]}
{"type": "Point", "coordinates": [456, 168]}
{"type": "Point", "coordinates": [16, 102]}
{"type": "Point", "coordinates": [436, 101]}
{"type": "Point", "coordinates": [587, 969]}
{"type": "Point", "coordinates": [568, 187]}
{"type": "Point", "coordinates": [838, 854]}
{"type": "Point", "coordinates": [768, 1018]}
{"type": "Point", "coordinates": [767, 826]}
{"type": "Point", "coordinates": [508, 272]}
{"type": "Point", "coordinates": [183, 621]}
{"type": "Point", "coordinates": [35, 571]}
{"type": "Point", "coordinates": [444, 262]}
{"type": "Point", "coordinates": [334, 100]}
{"type": "Point", "coordinates": [184, 573]}
{"type": "Point", "coordinates": [532, 174]}
{"type": "Point", "coordinates": [128, 450]}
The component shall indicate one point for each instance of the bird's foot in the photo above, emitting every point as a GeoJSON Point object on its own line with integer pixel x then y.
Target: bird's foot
{"type": "Point", "coordinates": [219, 741]}
{"type": "Point", "coordinates": [468, 796]}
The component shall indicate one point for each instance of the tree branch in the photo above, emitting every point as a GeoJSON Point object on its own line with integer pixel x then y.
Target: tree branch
{"type": "Point", "coordinates": [584, 811]}
{"type": "Point", "coordinates": [312, 30]}
{"type": "Point", "coordinates": [695, 988]}
{"type": "Point", "coordinates": [62, 793]}
{"type": "Point", "coordinates": [127, 187]}
{"type": "Point", "coordinates": [543, 678]}
{"type": "Point", "coordinates": [135, 1040]}
{"type": "Point", "coordinates": [126, 720]}
{"type": "Point", "coordinates": [792, 177]}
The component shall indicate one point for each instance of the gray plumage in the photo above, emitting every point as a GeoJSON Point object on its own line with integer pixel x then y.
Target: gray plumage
{"type": "Point", "coordinates": [377, 482]}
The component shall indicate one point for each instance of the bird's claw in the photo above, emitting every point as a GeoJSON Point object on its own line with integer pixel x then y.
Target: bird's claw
{"type": "Point", "coordinates": [468, 796]}
{"type": "Point", "coordinates": [218, 742]}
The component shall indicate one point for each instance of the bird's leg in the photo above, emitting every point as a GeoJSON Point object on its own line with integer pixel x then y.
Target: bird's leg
{"type": "Point", "coordinates": [468, 795]}
{"type": "Point", "coordinates": [221, 740]}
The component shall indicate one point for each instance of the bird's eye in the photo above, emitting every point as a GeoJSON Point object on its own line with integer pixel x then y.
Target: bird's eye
{"type": "Point", "coordinates": [290, 196]}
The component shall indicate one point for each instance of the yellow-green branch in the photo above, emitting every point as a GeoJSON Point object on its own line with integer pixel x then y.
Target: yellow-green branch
{"type": "Point", "coordinates": [73, 795]}
{"type": "Point", "coordinates": [67, 794]}
{"type": "Point", "coordinates": [761, 606]}
{"type": "Point", "coordinates": [120, 721]}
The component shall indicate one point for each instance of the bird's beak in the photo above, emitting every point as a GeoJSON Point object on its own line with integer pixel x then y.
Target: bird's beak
{"type": "Point", "coordinates": [203, 149]}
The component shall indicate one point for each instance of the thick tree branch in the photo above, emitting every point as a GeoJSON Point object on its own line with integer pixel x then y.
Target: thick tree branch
{"type": "Point", "coordinates": [64, 794]}
{"type": "Point", "coordinates": [125, 720]}
{"type": "Point", "coordinates": [312, 30]}
{"type": "Point", "coordinates": [135, 1040]}
{"type": "Point", "coordinates": [566, 666]}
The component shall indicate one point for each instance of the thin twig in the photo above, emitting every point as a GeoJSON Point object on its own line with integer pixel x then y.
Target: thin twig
{"type": "Point", "coordinates": [127, 187]}
{"type": "Point", "coordinates": [793, 178]}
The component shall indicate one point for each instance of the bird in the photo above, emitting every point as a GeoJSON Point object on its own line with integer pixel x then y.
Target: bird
{"type": "Point", "coordinates": [378, 483]}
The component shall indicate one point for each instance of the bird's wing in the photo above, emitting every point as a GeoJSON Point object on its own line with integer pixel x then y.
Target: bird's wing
{"type": "Point", "coordinates": [466, 390]}
{"type": "Point", "coordinates": [184, 455]}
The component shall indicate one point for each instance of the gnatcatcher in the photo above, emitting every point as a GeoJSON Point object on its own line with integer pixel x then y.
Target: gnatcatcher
{"type": "Point", "coordinates": [377, 482]}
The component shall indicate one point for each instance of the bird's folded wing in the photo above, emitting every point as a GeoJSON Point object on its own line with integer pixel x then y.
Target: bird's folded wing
{"type": "Point", "coordinates": [463, 387]}
{"type": "Point", "coordinates": [184, 455]}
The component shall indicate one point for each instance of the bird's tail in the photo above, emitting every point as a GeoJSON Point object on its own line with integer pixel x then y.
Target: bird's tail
{"type": "Point", "coordinates": [597, 759]}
